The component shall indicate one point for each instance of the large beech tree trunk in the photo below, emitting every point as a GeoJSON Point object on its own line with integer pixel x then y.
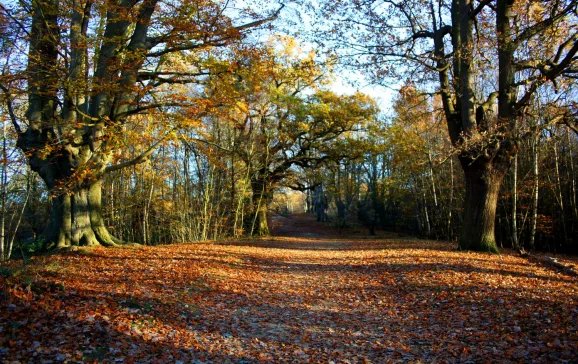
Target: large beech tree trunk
{"type": "Point", "coordinates": [76, 212]}
{"type": "Point", "coordinates": [76, 218]}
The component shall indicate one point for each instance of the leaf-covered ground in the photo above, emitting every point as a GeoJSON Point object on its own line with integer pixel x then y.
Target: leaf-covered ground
{"type": "Point", "coordinates": [310, 298]}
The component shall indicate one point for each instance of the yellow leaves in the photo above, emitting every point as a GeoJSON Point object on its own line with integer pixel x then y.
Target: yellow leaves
{"type": "Point", "coordinates": [289, 45]}
{"type": "Point", "coordinates": [537, 11]}
{"type": "Point", "coordinates": [242, 106]}
{"type": "Point", "coordinates": [47, 150]}
{"type": "Point", "coordinates": [304, 127]}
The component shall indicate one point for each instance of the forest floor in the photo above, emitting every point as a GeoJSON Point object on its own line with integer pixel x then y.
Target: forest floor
{"type": "Point", "coordinates": [309, 294]}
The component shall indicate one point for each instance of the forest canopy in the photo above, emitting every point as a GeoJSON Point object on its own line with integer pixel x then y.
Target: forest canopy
{"type": "Point", "coordinates": [155, 122]}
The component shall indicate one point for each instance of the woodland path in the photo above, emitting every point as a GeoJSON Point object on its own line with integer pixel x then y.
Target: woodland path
{"type": "Point", "coordinates": [308, 294]}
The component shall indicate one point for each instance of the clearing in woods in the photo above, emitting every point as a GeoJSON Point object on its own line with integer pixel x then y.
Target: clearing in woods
{"type": "Point", "coordinates": [309, 294]}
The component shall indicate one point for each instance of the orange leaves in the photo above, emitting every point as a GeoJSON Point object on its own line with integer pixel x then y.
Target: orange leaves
{"type": "Point", "coordinates": [320, 297]}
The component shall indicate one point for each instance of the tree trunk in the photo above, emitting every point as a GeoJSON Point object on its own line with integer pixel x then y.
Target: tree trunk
{"type": "Point", "coordinates": [536, 191]}
{"type": "Point", "coordinates": [3, 186]}
{"type": "Point", "coordinates": [76, 219]}
{"type": "Point", "coordinates": [309, 202]}
{"type": "Point", "coordinates": [425, 210]}
{"type": "Point", "coordinates": [261, 199]}
{"type": "Point", "coordinates": [96, 219]}
{"type": "Point", "coordinates": [260, 225]}
{"type": "Point", "coordinates": [483, 182]}
{"type": "Point", "coordinates": [451, 200]}
{"type": "Point", "coordinates": [76, 211]}
{"type": "Point", "coordinates": [320, 203]}
{"type": "Point", "coordinates": [558, 190]}
{"type": "Point", "coordinates": [515, 243]}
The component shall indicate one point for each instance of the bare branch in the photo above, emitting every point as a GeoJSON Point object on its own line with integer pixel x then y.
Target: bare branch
{"type": "Point", "coordinates": [564, 64]}
{"type": "Point", "coordinates": [142, 76]}
{"type": "Point", "coordinates": [544, 24]}
{"type": "Point", "coordinates": [141, 158]}
{"type": "Point", "coordinates": [261, 21]}
{"type": "Point", "coordinates": [13, 117]}
{"type": "Point", "coordinates": [480, 7]}
{"type": "Point", "coordinates": [20, 25]}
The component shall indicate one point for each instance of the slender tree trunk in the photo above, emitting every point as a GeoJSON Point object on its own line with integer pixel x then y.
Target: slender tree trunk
{"type": "Point", "coordinates": [309, 201]}
{"type": "Point", "coordinates": [572, 174]}
{"type": "Point", "coordinates": [3, 182]}
{"type": "Point", "coordinates": [2, 237]}
{"type": "Point", "coordinates": [261, 199]}
{"type": "Point", "coordinates": [451, 201]}
{"type": "Point", "coordinates": [146, 212]}
{"type": "Point", "coordinates": [560, 197]}
{"type": "Point", "coordinates": [207, 202]}
{"type": "Point", "coordinates": [10, 245]}
{"type": "Point", "coordinates": [260, 225]}
{"type": "Point", "coordinates": [515, 244]}
{"type": "Point", "coordinates": [425, 211]}
{"type": "Point", "coordinates": [536, 193]}
{"type": "Point", "coordinates": [432, 179]}
{"type": "Point", "coordinates": [240, 206]}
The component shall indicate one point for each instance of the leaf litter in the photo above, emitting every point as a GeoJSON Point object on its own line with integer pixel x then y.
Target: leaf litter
{"type": "Point", "coordinates": [288, 299]}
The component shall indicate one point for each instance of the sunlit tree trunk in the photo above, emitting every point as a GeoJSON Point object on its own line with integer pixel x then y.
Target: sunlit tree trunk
{"type": "Point", "coordinates": [515, 243]}
{"type": "Point", "coordinates": [206, 216]}
{"type": "Point", "coordinates": [262, 196]}
{"type": "Point", "coordinates": [558, 189]}
{"type": "Point", "coordinates": [240, 206]}
{"type": "Point", "coordinates": [425, 211]}
{"type": "Point", "coordinates": [4, 255]}
{"type": "Point", "coordinates": [146, 210]}
{"type": "Point", "coordinates": [432, 179]}
{"type": "Point", "coordinates": [451, 200]}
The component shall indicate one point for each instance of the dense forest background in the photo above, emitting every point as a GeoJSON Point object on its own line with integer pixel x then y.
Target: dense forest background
{"type": "Point", "coordinates": [196, 121]}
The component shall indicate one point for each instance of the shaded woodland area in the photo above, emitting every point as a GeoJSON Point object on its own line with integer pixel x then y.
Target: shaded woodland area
{"type": "Point", "coordinates": [156, 122]}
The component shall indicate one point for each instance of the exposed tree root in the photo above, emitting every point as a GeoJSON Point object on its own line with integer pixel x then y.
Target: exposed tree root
{"type": "Point", "coordinates": [553, 263]}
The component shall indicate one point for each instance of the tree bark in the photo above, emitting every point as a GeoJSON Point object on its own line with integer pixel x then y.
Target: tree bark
{"type": "Point", "coordinates": [451, 201]}
{"type": "Point", "coordinates": [96, 218]}
{"type": "Point", "coordinates": [261, 199]}
{"type": "Point", "coordinates": [483, 182]}
{"type": "Point", "coordinates": [3, 187]}
{"type": "Point", "coordinates": [535, 195]}
{"type": "Point", "coordinates": [76, 219]}
{"type": "Point", "coordinates": [320, 203]}
{"type": "Point", "coordinates": [515, 243]}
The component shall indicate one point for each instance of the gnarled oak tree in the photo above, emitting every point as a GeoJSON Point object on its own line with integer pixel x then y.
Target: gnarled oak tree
{"type": "Point", "coordinates": [486, 58]}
